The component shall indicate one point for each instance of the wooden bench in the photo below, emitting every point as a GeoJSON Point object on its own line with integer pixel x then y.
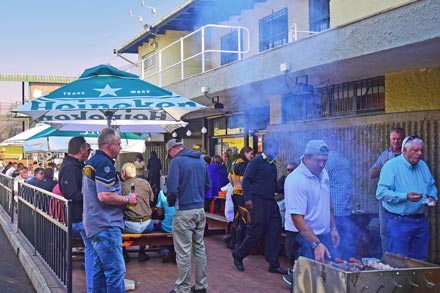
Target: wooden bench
{"type": "Point", "coordinates": [216, 224]}
{"type": "Point", "coordinates": [149, 239]}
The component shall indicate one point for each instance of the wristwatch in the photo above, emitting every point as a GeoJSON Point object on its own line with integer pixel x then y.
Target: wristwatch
{"type": "Point", "coordinates": [315, 244]}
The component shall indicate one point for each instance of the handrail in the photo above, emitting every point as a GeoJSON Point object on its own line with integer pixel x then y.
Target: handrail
{"type": "Point", "coordinates": [204, 50]}
{"type": "Point", "coordinates": [293, 32]}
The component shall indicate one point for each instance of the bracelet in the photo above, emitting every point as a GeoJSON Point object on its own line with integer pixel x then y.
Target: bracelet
{"type": "Point", "coordinates": [128, 200]}
{"type": "Point", "coordinates": [333, 229]}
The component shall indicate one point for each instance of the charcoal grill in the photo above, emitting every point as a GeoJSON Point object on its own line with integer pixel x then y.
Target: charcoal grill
{"type": "Point", "coordinates": [409, 275]}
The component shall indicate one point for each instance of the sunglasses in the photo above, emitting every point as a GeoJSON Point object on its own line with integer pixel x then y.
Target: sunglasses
{"type": "Point", "coordinates": [410, 138]}
{"type": "Point", "coordinates": [290, 170]}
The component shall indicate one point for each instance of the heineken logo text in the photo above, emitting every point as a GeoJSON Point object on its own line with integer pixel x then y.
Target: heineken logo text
{"type": "Point", "coordinates": [119, 104]}
{"type": "Point", "coordinates": [94, 115]}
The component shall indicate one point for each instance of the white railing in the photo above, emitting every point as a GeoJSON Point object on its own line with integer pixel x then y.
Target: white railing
{"type": "Point", "coordinates": [294, 32]}
{"type": "Point", "coordinates": [204, 49]}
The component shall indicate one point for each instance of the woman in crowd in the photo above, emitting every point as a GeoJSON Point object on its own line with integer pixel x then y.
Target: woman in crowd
{"type": "Point", "coordinates": [219, 178]}
{"type": "Point", "coordinates": [241, 214]}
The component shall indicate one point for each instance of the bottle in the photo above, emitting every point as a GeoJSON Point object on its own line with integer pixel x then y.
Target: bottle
{"type": "Point", "coordinates": [132, 190]}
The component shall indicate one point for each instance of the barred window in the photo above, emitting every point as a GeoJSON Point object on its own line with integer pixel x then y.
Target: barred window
{"type": "Point", "coordinates": [273, 30]}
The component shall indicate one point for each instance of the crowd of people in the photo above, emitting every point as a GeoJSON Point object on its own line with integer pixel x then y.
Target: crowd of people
{"type": "Point", "coordinates": [311, 202]}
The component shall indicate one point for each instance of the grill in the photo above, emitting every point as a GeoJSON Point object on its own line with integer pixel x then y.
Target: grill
{"type": "Point", "coordinates": [407, 275]}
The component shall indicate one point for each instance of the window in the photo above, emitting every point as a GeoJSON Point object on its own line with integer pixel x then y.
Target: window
{"type": "Point", "coordinates": [319, 15]}
{"type": "Point", "coordinates": [149, 61]}
{"type": "Point", "coordinates": [273, 30]}
{"type": "Point", "coordinates": [361, 96]}
{"type": "Point", "coordinates": [229, 42]}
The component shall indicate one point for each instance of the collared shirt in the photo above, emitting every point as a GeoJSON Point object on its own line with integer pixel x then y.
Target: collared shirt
{"type": "Point", "coordinates": [383, 157]}
{"type": "Point", "coordinates": [99, 175]}
{"type": "Point", "coordinates": [341, 183]}
{"type": "Point", "coordinates": [397, 178]}
{"type": "Point", "coordinates": [308, 195]}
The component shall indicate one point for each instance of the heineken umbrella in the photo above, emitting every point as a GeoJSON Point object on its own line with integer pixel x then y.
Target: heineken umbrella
{"type": "Point", "coordinates": [105, 96]}
{"type": "Point", "coordinates": [52, 140]}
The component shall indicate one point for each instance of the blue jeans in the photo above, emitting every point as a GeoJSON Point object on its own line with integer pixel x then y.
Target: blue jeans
{"type": "Point", "coordinates": [109, 266]}
{"type": "Point", "coordinates": [348, 231]}
{"type": "Point", "coordinates": [305, 248]}
{"type": "Point", "coordinates": [89, 255]}
{"type": "Point", "coordinates": [135, 227]}
{"type": "Point", "coordinates": [408, 236]}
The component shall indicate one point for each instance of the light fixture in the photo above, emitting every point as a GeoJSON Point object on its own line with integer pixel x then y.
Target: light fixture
{"type": "Point", "coordinates": [188, 133]}
{"type": "Point", "coordinates": [174, 134]}
{"type": "Point", "coordinates": [204, 130]}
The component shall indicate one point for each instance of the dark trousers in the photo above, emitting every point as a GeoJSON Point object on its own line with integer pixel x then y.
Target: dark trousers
{"type": "Point", "coordinates": [265, 221]}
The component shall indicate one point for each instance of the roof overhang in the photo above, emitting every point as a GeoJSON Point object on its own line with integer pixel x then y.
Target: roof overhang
{"type": "Point", "coordinates": [188, 17]}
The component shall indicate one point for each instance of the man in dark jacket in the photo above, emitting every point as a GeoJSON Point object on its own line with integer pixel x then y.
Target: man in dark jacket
{"type": "Point", "coordinates": [70, 180]}
{"type": "Point", "coordinates": [188, 181]}
{"type": "Point", "coordinates": [259, 187]}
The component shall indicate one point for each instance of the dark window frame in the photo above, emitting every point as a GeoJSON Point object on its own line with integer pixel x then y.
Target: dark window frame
{"type": "Point", "coordinates": [274, 30]}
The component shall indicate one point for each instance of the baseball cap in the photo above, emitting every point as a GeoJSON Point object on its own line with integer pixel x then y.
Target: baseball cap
{"type": "Point", "coordinates": [316, 147]}
{"type": "Point", "coordinates": [172, 143]}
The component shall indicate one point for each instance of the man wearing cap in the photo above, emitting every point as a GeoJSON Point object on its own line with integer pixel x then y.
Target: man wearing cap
{"type": "Point", "coordinates": [310, 225]}
{"type": "Point", "coordinates": [259, 187]}
{"type": "Point", "coordinates": [407, 189]}
{"type": "Point", "coordinates": [187, 184]}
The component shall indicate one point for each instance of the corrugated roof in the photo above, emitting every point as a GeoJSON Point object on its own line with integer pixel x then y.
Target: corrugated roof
{"type": "Point", "coordinates": [188, 17]}
{"type": "Point", "coordinates": [36, 78]}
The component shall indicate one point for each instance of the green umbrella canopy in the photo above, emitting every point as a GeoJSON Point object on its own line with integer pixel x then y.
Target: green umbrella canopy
{"type": "Point", "coordinates": [104, 96]}
{"type": "Point", "coordinates": [52, 140]}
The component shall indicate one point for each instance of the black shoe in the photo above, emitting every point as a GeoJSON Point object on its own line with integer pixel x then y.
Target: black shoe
{"type": "Point", "coordinates": [194, 290]}
{"type": "Point", "coordinates": [227, 239]}
{"type": "Point", "coordinates": [288, 279]}
{"type": "Point", "coordinates": [277, 270]}
{"type": "Point", "coordinates": [142, 256]}
{"type": "Point", "coordinates": [126, 257]}
{"type": "Point", "coordinates": [166, 258]}
{"type": "Point", "coordinates": [238, 262]}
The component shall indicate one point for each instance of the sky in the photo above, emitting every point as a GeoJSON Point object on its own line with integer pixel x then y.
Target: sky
{"type": "Point", "coordinates": [63, 38]}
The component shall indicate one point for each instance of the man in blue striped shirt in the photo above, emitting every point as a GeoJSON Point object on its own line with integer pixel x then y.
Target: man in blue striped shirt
{"type": "Point", "coordinates": [340, 174]}
{"type": "Point", "coordinates": [406, 189]}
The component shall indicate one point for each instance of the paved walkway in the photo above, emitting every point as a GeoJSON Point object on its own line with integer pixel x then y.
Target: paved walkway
{"type": "Point", "coordinates": [154, 276]}
{"type": "Point", "coordinates": [13, 277]}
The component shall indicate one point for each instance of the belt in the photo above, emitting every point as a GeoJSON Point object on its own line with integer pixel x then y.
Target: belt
{"type": "Point", "coordinates": [416, 216]}
{"type": "Point", "coordinates": [140, 220]}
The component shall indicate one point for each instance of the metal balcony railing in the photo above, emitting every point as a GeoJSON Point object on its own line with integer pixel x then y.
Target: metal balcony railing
{"type": "Point", "coordinates": [193, 54]}
{"type": "Point", "coordinates": [200, 51]}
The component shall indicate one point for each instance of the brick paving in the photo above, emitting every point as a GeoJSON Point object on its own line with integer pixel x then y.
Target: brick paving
{"type": "Point", "coordinates": [154, 276]}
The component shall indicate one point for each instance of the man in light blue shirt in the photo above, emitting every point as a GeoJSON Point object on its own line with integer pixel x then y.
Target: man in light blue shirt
{"type": "Point", "coordinates": [395, 149]}
{"type": "Point", "coordinates": [406, 188]}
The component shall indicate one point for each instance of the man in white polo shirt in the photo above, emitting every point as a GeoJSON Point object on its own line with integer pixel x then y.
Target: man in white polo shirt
{"type": "Point", "coordinates": [309, 221]}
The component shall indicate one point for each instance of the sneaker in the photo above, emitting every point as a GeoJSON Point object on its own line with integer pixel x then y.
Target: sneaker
{"type": "Point", "coordinates": [142, 256]}
{"type": "Point", "coordinates": [288, 279]}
